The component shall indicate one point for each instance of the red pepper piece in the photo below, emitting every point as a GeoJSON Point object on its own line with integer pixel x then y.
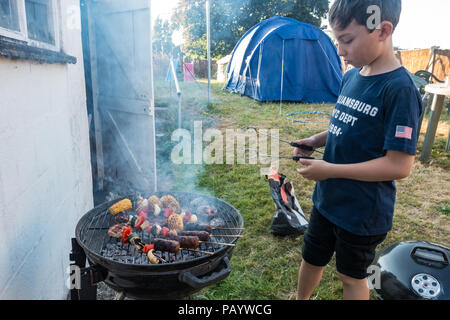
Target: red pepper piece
{"type": "Point", "coordinates": [187, 216]}
{"type": "Point", "coordinates": [143, 209]}
{"type": "Point", "coordinates": [140, 221]}
{"type": "Point", "coordinates": [167, 212]}
{"type": "Point", "coordinates": [125, 233]}
{"type": "Point", "coordinates": [148, 247]}
{"type": "Point", "coordinates": [165, 232]}
{"type": "Point", "coordinates": [144, 213]}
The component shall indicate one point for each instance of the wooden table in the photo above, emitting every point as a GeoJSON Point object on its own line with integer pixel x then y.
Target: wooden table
{"type": "Point", "coordinates": [440, 91]}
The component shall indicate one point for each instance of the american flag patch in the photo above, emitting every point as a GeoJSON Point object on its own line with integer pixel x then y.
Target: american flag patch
{"type": "Point", "coordinates": [403, 132]}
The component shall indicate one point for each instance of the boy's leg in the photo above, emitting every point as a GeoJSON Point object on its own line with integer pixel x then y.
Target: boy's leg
{"type": "Point", "coordinates": [354, 254]}
{"type": "Point", "coordinates": [308, 279]}
{"type": "Point", "coordinates": [354, 289]}
{"type": "Point", "coordinates": [318, 248]}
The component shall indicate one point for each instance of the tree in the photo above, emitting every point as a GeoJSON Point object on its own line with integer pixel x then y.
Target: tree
{"type": "Point", "coordinates": [231, 19]}
{"type": "Point", "coordinates": [162, 37]}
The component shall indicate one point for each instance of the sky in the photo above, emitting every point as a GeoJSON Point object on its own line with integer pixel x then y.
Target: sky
{"type": "Point", "coordinates": [422, 24]}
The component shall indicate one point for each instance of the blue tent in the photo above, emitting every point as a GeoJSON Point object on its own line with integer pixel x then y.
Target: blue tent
{"type": "Point", "coordinates": [282, 59]}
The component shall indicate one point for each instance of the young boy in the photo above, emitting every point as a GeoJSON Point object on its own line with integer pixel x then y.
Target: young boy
{"type": "Point", "coordinates": [371, 141]}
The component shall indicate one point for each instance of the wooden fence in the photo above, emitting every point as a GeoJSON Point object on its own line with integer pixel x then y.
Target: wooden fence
{"type": "Point", "coordinates": [433, 60]}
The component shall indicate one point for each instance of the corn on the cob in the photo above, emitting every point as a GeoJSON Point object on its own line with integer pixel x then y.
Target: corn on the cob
{"type": "Point", "coordinates": [120, 206]}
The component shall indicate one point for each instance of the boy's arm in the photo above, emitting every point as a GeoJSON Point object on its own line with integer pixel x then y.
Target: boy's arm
{"type": "Point", "coordinates": [315, 141]}
{"type": "Point", "coordinates": [393, 166]}
{"type": "Point", "coordinates": [320, 139]}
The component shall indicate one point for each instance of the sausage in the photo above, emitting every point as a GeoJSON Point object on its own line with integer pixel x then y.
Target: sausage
{"type": "Point", "coordinates": [197, 227]}
{"type": "Point", "coordinates": [202, 235]}
{"type": "Point", "coordinates": [188, 242]}
{"type": "Point", "coordinates": [166, 245]}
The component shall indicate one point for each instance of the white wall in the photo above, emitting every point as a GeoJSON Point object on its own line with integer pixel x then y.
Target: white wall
{"type": "Point", "coordinates": [45, 171]}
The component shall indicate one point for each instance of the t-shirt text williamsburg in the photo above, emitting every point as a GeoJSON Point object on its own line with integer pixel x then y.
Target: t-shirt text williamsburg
{"type": "Point", "coordinates": [373, 114]}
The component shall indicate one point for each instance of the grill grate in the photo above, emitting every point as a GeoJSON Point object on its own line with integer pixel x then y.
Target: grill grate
{"type": "Point", "coordinates": [94, 233]}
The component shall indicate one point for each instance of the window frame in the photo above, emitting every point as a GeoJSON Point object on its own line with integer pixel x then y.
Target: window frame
{"type": "Point", "coordinates": [22, 34]}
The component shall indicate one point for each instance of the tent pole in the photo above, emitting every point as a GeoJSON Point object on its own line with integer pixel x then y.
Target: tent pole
{"type": "Point", "coordinates": [208, 37]}
{"type": "Point", "coordinates": [282, 77]}
{"type": "Point", "coordinates": [259, 67]}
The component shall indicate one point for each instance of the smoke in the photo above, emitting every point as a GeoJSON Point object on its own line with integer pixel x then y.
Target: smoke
{"type": "Point", "coordinates": [131, 145]}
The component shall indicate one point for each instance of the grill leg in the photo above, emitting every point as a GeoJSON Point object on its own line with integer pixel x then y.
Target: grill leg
{"type": "Point", "coordinates": [81, 288]}
{"type": "Point", "coordinates": [120, 296]}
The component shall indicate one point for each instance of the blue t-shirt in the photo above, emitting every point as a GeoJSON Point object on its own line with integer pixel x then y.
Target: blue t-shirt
{"type": "Point", "coordinates": [373, 114]}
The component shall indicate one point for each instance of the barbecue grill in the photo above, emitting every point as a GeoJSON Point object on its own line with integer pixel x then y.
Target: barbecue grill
{"type": "Point", "coordinates": [178, 275]}
{"type": "Point", "coordinates": [414, 270]}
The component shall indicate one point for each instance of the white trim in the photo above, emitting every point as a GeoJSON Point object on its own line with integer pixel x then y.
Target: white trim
{"type": "Point", "coordinates": [22, 35]}
{"type": "Point", "coordinates": [282, 78]}
{"type": "Point", "coordinates": [12, 34]}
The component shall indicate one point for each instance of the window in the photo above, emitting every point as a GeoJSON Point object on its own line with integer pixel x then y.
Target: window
{"type": "Point", "coordinates": [8, 15]}
{"type": "Point", "coordinates": [40, 20]}
{"type": "Point", "coordinates": [33, 21]}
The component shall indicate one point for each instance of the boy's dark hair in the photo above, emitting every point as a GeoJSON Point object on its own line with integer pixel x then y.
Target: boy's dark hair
{"type": "Point", "coordinates": [342, 12]}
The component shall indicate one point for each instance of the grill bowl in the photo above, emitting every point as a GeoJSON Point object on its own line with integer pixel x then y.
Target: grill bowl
{"type": "Point", "coordinates": [403, 266]}
{"type": "Point", "coordinates": [171, 280]}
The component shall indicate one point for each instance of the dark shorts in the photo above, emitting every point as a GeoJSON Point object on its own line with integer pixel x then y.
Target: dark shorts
{"type": "Point", "coordinates": [354, 253]}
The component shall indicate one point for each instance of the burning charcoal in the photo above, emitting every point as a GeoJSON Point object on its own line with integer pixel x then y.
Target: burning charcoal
{"type": "Point", "coordinates": [217, 223]}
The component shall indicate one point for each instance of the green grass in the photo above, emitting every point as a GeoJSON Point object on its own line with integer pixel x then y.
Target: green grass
{"type": "Point", "coordinates": [444, 208]}
{"type": "Point", "coordinates": [265, 266]}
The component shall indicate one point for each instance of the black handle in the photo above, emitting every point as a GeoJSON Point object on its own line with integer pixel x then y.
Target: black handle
{"type": "Point", "coordinates": [443, 257]}
{"type": "Point", "coordinates": [298, 158]}
{"type": "Point", "coordinates": [221, 272]}
{"type": "Point", "coordinates": [302, 146]}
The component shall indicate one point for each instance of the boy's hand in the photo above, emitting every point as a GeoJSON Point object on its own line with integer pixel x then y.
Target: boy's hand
{"type": "Point", "coordinates": [301, 152]}
{"type": "Point", "coordinates": [317, 170]}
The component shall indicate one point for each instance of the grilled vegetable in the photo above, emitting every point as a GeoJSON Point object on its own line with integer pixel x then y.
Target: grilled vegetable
{"type": "Point", "coordinates": [165, 232]}
{"type": "Point", "coordinates": [120, 206]}
{"type": "Point", "coordinates": [136, 241]}
{"type": "Point", "coordinates": [151, 257]}
{"type": "Point", "coordinates": [193, 219]}
{"type": "Point", "coordinates": [157, 206]}
{"type": "Point", "coordinates": [142, 205]}
{"type": "Point", "coordinates": [189, 217]}
{"type": "Point", "coordinates": [175, 222]}
{"type": "Point", "coordinates": [125, 233]}
{"type": "Point", "coordinates": [148, 250]}
{"type": "Point", "coordinates": [169, 201]}
{"type": "Point", "coordinates": [167, 212]}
